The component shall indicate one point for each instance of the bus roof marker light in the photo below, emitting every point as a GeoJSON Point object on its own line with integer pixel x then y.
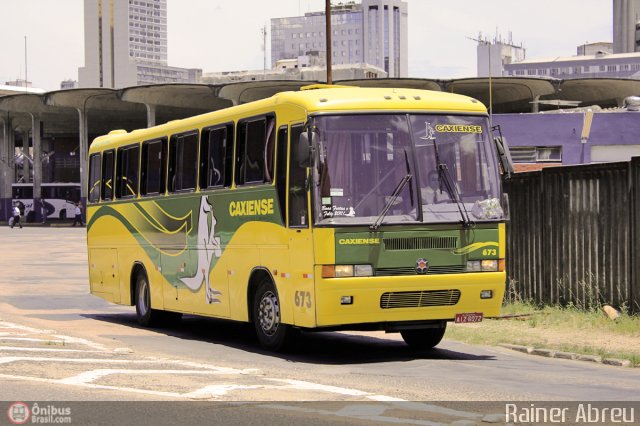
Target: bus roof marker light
{"type": "Point", "coordinates": [323, 99]}
{"type": "Point", "coordinates": [417, 98]}
{"type": "Point", "coordinates": [387, 97]}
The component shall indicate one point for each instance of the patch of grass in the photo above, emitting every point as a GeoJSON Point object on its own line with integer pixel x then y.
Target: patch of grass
{"type": "Point", "coordinates": [567, 329]}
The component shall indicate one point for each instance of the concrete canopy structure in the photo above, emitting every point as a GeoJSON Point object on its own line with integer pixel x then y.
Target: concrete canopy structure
{"type": "Point", "coordinates": [406, 83]}
{"type": "Point", "coordinates": [604, 92]}
{"type": "Point", "coordinates": [82, 114]}
{"type": "Point", "coordinates": [171, 101]}
{"type": "Point", "coordinates": [241, 93]}
{"type": "Point", "coordinates": [504, 94]}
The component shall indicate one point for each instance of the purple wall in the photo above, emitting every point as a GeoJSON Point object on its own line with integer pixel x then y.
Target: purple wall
{"type": "Point", "coordinates": [613, 128]}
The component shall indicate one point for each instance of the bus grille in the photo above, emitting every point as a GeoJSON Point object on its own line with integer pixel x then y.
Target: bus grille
{"type": "Point", "coordinates": [418, 299]}
{"type": "Point", "coordinates": [409, 270]}
{"type": "Point", "coordinates": [420, 243]}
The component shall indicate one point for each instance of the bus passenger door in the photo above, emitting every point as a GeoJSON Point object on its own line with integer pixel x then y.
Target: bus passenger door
{"type": "Point", "coordinates": [301, 255]}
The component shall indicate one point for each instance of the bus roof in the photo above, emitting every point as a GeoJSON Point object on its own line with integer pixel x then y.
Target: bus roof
{"type": "Point", "coordinates": [314, 99]}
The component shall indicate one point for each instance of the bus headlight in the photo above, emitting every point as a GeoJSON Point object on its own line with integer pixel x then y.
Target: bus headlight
{"type": "Point", "coordinates": [341, 271]}
{"type": "Point", "coordinates": [363, 270]}
{"type": "Point", "coordinates": [489, 265]}
{"type": "Point", "coordinates": [482, 265]}
{"type": "Point", "coordinates": [344, 271]}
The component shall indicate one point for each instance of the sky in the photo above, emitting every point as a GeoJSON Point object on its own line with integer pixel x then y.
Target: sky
{"type": "Point", "coordinates": [225, 35]}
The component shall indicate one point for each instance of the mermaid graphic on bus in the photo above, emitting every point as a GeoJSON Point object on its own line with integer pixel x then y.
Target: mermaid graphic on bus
{"type": "Point", "coordinates": [212, 248]}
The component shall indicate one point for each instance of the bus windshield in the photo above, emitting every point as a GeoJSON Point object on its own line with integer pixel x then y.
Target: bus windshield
{"type": "Point", "coordinates": [405, 168]}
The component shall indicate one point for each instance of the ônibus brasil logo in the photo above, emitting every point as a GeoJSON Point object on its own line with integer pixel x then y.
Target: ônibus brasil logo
{"type": "Point", "coordinates": [19, 413]}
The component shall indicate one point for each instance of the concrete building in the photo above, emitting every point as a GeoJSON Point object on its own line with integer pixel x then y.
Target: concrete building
{"type": "Point", "coordinates": [599, 65]}
{"type": "Point", "coordinates": [626, 28]}
{"type": "Point", "coordinates": [296, 69]}
{"type": "Point", "coordinates": [595, 48]}
{"type": "Point", "coordinates": [494, 55]}
{"type": "Point", "coordinates": [126, 45]}
{"type": "Point", "coordinates": [372, 32]}
{"type": "Point", "coordinates": [68, 84]}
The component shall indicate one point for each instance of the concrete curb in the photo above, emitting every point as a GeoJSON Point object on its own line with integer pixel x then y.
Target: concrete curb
{"type": "Point", "coordinates": [550, 353]}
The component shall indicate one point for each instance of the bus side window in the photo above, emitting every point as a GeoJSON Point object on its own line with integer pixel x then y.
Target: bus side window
{"type": "Point", "coordinates": [256, 147]}
{"type": "Point", "coordinates": [152, 174]}
{"type": "Point", "coordinates": [216, 151]}
{"type": "Point", "coordinates": [297, 180]}
{"type": "Point", "coordinates": [183, 162]}
{"type": "Point", "coordinates": [107, 175]}
{"type": "Point", "coordinates": [94, 178]}
{"type": "Point", "coordinates": [281, 170]}
{"type": "Point", "coordinates": [127, 175]}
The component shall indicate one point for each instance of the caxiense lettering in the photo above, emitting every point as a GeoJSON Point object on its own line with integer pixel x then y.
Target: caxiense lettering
{"type": "Point", "coordinates": [251, 207]}
{"type": "Point", "coordinates": [359, 241]}
{"type": "Point", "coordinates": [458, 128]}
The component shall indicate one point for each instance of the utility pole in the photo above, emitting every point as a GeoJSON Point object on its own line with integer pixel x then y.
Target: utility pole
{"type": "Point", "coordinates": [327, 16]}
{"type": "Point", "coordinates": [264, 49]}
{"type": "Point", "coordinates": [26, 76]}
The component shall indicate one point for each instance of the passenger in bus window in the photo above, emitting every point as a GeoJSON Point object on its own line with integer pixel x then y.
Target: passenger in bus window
{"type": "Point", "coordinates": [434, 192]}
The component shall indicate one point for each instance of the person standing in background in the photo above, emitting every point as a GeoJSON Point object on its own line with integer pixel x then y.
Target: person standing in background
{"type": "Point", "coordinates": [78, 217]}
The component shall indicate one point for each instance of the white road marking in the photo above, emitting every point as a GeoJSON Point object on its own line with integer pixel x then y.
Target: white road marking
{"type": "Point", "coordinates": [94, 386]}
{"type": "Point", "coordinates": [384, 398]}
{"type": "Point", "coordinates": [302, 385]}
{"type": "Point", "coordinates": [10, 325]}
{"type": "Point", "coordinates": [87, 378]}
{"type": "Point", "coordinates": [213, 391]}
{"type": "Point", "coordinates": [31, 339]}
{"type": "Point", "coordinates": [90, 376]}
{"type": "Point", "coordinates": [24, 349]}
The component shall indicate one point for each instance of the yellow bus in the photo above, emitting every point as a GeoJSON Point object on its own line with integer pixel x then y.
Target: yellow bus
{"type": "Point", "coordinates": [328, 208]}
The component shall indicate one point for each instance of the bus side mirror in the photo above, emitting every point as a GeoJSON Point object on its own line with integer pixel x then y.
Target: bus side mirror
{"type": "Point", "coordinates": [504, 155]}
{"type": "Point", "coordinates": [304, 148]}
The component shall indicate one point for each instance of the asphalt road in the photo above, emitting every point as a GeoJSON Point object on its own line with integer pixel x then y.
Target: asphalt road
{"type": "Point", "coordinates": [59, 343]}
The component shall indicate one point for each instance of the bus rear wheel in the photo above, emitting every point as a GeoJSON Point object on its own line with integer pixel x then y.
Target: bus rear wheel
{"type": "Point", "coordinates": [424, 338]}
{"type": "Point", "coordinates": [271, 332]}
{"type": "Point", "coordinates": [146, 316]}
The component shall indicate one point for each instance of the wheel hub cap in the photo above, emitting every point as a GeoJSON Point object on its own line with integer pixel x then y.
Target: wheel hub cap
{"type": "Point", "coordinates": [269, 313]}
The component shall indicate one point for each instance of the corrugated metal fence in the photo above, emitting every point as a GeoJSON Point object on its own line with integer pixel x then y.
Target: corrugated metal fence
{"type": "Point", "coordinates": [573, 237]}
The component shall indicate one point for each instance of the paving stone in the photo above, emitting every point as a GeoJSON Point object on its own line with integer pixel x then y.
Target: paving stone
{"type": "Point", "coordinates": [617, 362]}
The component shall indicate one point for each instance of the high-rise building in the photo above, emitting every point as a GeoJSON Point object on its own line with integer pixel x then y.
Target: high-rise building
{"type": "Point", "coordinates": [126, 45]}
{"type": "Point", "coordinates": [626, 26]}
{"type": "Point", "coordinates": [372, 32]}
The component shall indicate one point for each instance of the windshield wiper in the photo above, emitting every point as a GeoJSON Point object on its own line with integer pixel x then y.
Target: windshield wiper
{"type": "Point", "coordinates": [445, 176]}
{"type": "Point", "coordinates": [392, 200]}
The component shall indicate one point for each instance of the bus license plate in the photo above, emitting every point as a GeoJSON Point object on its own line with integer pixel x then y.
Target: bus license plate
{"type": "Point", "coordinates": [468, 317]}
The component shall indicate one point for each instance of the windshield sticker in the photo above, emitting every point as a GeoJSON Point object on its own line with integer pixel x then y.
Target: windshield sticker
{"type": "Point", "coordinates": [430, 133]}
{"type": "Point", "coordinates": [337, 211]}
{"type": "Point", "coordinates": [458, 128]}
{"type": "Point", "coordinates": [336, 192]}
{"type": "Point", "coordinates": [326, 200]}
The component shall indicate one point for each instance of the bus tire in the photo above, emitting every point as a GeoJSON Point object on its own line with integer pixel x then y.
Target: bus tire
{"type": "Point", "coordinates": [424, 338]}
{"type": "Point", "coordinates": [271, 332]}
{"type": "Point", "coordinates": [146, 316]}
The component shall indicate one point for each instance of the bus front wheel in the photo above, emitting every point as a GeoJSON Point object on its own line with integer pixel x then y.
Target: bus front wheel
{"type": "Point", "coordinates": [424, 338]}
{"type": "Point", "coordinates": [271, 332]}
